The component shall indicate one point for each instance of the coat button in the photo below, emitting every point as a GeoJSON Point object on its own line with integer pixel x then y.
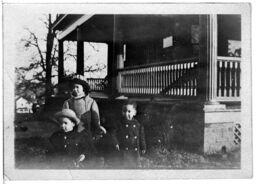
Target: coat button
{"type": "Point", "coordinates": [76, 144]}
{"type": "Point", "coordinates": [126, 136]}
{"type": "Point", "coordinates": [65, 137]}
{"type": "Point", "coordinates": [126, 148]}
{"type": "Point", "coordinates": [65, 145]}
{"type": "Point", "coordinates": [126, 125]}
{"type": "Point", "coordinates": [134, 126]}
{"type": "Point", "coordinates": [136, 149]}
{"type": "Point", "coordinates": [135, 137]}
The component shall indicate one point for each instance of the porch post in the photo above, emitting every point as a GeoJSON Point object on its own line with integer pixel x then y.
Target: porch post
{"type": "Point", "coordinates": [113, 52]}
{"type": "Point", "coordinates": [208, 58]}
{"type": "Point", "coordinates": [60, 64]}
{"type": "Point", "coordinates": [80, 53]}
{"type": "Point", "coordinates": [119, 62]}
{"type": "Point", "coordinates": [110, 65]}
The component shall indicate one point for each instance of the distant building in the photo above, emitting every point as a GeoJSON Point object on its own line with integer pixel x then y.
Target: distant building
{"type": "Point", "coordinates": [23, 105]}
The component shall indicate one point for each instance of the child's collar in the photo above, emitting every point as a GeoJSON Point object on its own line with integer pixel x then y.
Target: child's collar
{"type": "Point", "coordinates": [129, 120]}
{"type": "Point", "coordinates": [72, 131]}
{"type": "Point", "coordinates": [80, 96]}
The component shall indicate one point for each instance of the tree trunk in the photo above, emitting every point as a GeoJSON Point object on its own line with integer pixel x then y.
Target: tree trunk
{"type": "Point", "coordinates": [49, 46]}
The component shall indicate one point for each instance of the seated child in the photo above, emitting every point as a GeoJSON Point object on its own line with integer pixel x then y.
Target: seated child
{"type": "Point", "coordinates": [131, 136]}
{"type": "Point", "coordinates": [73, 147]}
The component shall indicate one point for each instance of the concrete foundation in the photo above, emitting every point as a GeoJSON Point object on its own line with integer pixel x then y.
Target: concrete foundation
{"type": "Point", "coordinates": [222, 130]}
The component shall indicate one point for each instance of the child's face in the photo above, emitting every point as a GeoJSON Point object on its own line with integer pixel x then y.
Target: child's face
{"type": "Point", "coordinates": [129, 112]}
{"type": "Point", "coordinates": [77, 89]}
{"type": "Point", "coordinates": [66, 124]}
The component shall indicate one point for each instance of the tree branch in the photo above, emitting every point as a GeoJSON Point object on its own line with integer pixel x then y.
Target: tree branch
{"type": "Point", "coordinates": [93, 47]}
{"type": "Point", "coordinates": [36, 44]}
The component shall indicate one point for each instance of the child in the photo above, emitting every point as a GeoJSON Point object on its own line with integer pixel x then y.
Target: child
{"type": "Point", "coordinates": [131, 136]}
{"type": "Point", "coordinates": [84, 106]}
{"type": "Point", "coordinates": [73, 147]}
{"type": "Point", "coordinates": [106, 145]}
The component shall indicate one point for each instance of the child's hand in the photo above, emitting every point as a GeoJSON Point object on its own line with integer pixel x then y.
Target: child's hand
{"type": "Point", "coordinates": [81, 158]}
{"type": "Point", "coordinates": [143, 152]}
{"type": "Point", "coordinates": [78, 161]}
{"type": "Point", "coordinates": [117, 147]}
{"type": "Point", "coordinates": [103, 129]}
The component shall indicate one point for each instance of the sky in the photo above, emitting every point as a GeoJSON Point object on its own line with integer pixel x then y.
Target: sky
{"type": "Point", "coordinates": [17, 19]}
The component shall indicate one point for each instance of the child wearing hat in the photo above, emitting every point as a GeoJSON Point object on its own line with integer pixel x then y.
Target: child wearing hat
{"type": "Point", "coordinates": [84, 106]}
{"type": "Point", "coordinates": [70, 147]}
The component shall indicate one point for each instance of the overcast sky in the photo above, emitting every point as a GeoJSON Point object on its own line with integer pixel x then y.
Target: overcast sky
{"type": "Point", "coordinates": [17, 18]}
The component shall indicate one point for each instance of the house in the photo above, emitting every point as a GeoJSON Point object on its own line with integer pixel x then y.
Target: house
{"type": "Point", "coordinates": [184, 70]}
{"type": "Point", "coordinates": [23, 105]}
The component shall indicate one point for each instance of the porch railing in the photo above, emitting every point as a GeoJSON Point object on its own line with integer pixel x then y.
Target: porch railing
{"type": "Point", "coordinates": [228, 78]}
{"type": "Point", "coordinates": [96, 84]}
{"type": "Point", "coordinates": [177, 78]}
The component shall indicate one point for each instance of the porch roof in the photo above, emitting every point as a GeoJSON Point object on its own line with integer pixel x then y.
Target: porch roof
{"type": "Point", "coordinates": [93, 28]}
{"type": "Point", "coordinates": [109, 27]}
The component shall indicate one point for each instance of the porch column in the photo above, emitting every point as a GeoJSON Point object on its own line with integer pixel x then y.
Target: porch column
{"type": "Point", "coordinates": [217, 127]}
{"type": "Point", "coordinates": [80, 53]}
{"type": "Point", "coordinates": [60, 64]}
{"type": "Point", "coordinates": [118, 40]}
{"type": "Point", "coordinates": [208, 58]}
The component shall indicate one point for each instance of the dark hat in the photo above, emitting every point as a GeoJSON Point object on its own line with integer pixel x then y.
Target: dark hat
{"type": "Point", "coordinates": [85, 84]}
{"type": "Point", "coordinates": [68, 113]}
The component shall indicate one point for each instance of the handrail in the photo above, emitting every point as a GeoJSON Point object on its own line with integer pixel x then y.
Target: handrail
{"type": "Point", "coordinates": [234, 59]}
{"type": "Point", "coordinates": [176, 61]}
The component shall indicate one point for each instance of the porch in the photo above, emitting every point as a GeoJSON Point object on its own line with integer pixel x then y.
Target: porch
{"type": "Point", "coordinates": [175, 68]}
{"type": "Point", "coordinates": [178, 59]}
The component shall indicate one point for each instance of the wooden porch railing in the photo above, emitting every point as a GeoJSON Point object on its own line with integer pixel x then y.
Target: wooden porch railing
{"type": "Point", "coordinates": [177, 78]}
{"type": "Point", "coordinates": [96, 84]}
{"type": "Point", "coordinates": [228, 78]}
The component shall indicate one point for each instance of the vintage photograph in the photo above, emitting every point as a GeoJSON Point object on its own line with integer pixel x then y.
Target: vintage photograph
{"type": "Point", "coordinates": [127, 91]}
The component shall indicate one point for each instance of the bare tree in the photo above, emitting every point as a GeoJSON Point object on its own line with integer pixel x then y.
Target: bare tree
{"type": "Point", "coordinates": [36, 78]}
{"type": "Point", "coordinates": [49, 57]}
{"type": "Point", "coordinates": [42, 61]}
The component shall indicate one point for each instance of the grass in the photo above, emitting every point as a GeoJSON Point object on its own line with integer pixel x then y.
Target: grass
{"type": "Point", "coordinates": [32, 144]}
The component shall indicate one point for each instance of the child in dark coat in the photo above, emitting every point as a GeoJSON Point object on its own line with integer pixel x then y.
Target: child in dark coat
{"type": "Point", "coordinates": [70, 147]}
{"type": "Point", "coordinates": [131, 136]}
{"type": "Point", "coordinates": [106, 144]}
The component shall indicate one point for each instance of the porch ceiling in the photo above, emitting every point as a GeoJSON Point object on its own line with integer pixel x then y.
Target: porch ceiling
{"type": "Point", "coordinates": [145, 27]}
{"type": "Point", "coordinates": [128, 28]}
{"type": "Point", "coordinates": [99, 28]}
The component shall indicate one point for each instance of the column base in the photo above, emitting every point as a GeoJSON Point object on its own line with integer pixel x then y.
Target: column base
{"type": "Point", "coordinates": [214, 106]}
{"type": "Point", "coordinates": [219, 128]}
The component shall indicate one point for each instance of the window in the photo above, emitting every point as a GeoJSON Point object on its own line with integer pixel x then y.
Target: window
{"type": "Point", "coordinates": [229, 35]}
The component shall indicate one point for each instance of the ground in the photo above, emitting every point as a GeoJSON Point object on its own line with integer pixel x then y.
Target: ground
{"type": "Point", "coordinates": [31, 144]}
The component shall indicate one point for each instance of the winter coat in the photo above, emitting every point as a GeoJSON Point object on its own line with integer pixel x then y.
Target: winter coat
{"type": "Point", "coordinates": [131, 139]}
{"type": "Point", "coordinates": [87, 110]}
{"type": "Point", "coordinates": [70, 145]}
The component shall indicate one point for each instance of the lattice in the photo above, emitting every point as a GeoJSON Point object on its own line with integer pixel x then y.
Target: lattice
{"type": "Point", "coordinates": [237, 134]}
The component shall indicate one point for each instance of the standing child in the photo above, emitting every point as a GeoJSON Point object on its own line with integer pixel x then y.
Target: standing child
{"type": "Point", "coordinates": [84, 106]}
{"type": "Point", "coordinates": [131, 136]}
{"type": "Point", "coordinates": [70, 147]}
